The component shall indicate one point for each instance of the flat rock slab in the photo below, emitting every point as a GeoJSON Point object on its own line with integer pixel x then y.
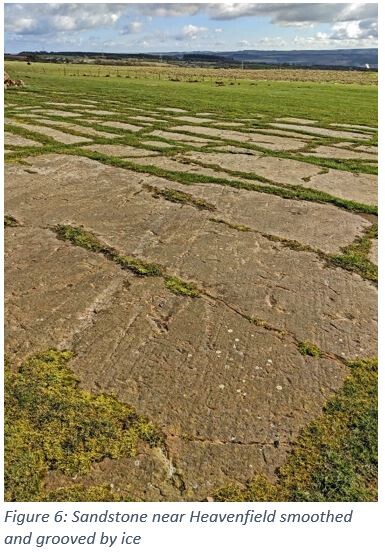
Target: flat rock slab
{"type": "Point", "coordinates": [279, 170]}
{"type": "Point", "coordinates": [158, 144]}
{"type": "Point", "coordinates": [175, 164]}
{"type": "Point", "coordinates": [340, 153]}
{"type": "Point", "coordinates": [321, 131]}
{"type": "Point", "coordinates": [78, 128]}
{"type": "Point", "coordinates": [121, 125]}
{"type": "Point", "coordinates": [227, 123]}
{"type": "Point", "coordinates": [147, 119]}
{"type": "Point", "coordinates": [173, 110]}
{"type": "Point", "coordinates": [359, 187]}
{"type": "Point", "coordinates": [276, 143]}
{"type": "Point", "coordinates": [359, 127]}
{"type": "Point", "coordinates": [368, 148]}
{"type": "Point", "coordinates": [179, 361]}
{"type": "Point", "coordinates": [298, 120]}
{"type": "Point", "coordinates": [264, 280]}
{"type": "Point", "coordinates": [11, 139]}
{"type": "Point", "coordinates": [59, 136]}
{"type": "Point", "coordinates": [235, 150]}
{"type": "Point", "coordinates": [100, 112]}
{"type": "Point", "coordinates": [52, 290]}
{"type": "Point", "coordinates": [273, 215]}
{"type": "Point", "coordinates": [120, 150]}
{"type": "Point", "coordinates": [179, 137]}
{"type": "Point", "coordinates": [192, 119]}
{"type": "Point", "coordinates": [70, 104]}
{"type": "Point", "coordinates": [58, 113]}
{"type": "Point", "coordinates": [56, 188]}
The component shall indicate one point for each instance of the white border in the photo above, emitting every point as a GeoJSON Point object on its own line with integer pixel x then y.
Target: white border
{"type": "Point", "coordinates": [362, 535]}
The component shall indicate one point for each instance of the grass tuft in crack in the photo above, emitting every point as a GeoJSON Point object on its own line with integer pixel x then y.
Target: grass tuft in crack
{"type": "Point", "coordinates": [181, 288]}
{"type": "Point", "coordinates": [355, 256]}
{"type": "Point", "coordinates": [10, 221]}
{"type": "Point", "coordinates": [86, 239]}
{"type": "Point", "coordinates": [52, 424]}
{"type": "Point", "coordinates": [179, 197]}
{"type": "Point", "coordinates": [137, 266]}
{"type": "Point", "coordinates": [307, 348]}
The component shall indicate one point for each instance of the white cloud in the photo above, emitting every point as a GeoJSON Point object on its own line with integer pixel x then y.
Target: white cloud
{"type": "Point", "coordinates": [350, 24]}
{"type": "Point", "coordinates": [191, 32]}
{"type": "Point", "coordinates": [52, 18]}
{"type": "Point", "coordinates": [132, 28]}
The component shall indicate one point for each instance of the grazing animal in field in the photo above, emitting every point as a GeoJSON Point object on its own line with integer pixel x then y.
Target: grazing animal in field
{"type": "Point", "coordinates": [10, 83]}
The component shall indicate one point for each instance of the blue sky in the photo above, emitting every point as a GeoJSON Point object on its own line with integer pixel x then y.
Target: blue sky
{"type": "Point", "coordinates": [157, 27]}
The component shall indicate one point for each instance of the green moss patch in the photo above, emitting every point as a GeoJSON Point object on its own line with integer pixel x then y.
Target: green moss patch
{"type": "Point", "coordinates": [307, 348]}
{"type": "Point", "coordinates": [10, 221]}
{"type": "Point", "coordinates": [52, 424]}
{"type": "Point", "coordinates": [84, 493]}
{"type": "Point", "coordinates": [179, 197]}
{"type": "Point", "coordinates": [137, 266]}
{"type": "Point", "coordinates": [335, 457]}
{"type": "Point", "coordinates": [181, 288]}
{"type": "Point", "coordinates": [81, 237]}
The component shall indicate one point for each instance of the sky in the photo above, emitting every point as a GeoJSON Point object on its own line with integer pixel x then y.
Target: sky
{"type": "Point", "coordinates": [156, 27]}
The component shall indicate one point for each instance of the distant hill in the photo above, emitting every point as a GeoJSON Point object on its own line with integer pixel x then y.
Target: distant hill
{"type": "Point", "coordinates": [357, 58]}
{"type": "Point", "coordinates": [349, 58]}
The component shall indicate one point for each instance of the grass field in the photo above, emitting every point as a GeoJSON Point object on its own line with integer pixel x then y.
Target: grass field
{"type": "Point", "coordinates": [191, 281]}
{"type": "Point", "coordinates": [318, 99]}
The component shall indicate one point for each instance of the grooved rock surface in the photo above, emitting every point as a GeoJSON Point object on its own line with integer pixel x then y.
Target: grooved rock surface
{"type": "Point", "coordinates": [221, 374]}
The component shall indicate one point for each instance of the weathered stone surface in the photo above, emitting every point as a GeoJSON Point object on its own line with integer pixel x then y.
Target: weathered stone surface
{"type": "Point", "coordinates": [173, 110]}
{"type": "Point", "coordinates": [264, 280]}
{"type": "Point", "coordinates": [11, 139]}
{"type": "Point", "coordinates": [120, 150]}
{"type": "Point", "coordinates": [192, 119]}
{"type": "Point", "coordinates": [224, 392]}
{"type": "Point", "coordinates": [158, 144]}
{"type": "Point", "coordinates": [120, 125]}
{"type": "Point", "coordinates": [277, 143]}
{"type": "Point", "coordinates": [229, 394]}
{"type": "Point", "coordinates": [340, 153]}
{"type": "Point", "coordinates": [147, 119]}
{"type": "Point", "coordinates": [297, 120]}
{"type": "Point", "coordinates": [280, 170]}
{"type": "Point", "coordinates": [359, 127]}
{"type": "Point", "coordinates": [100, 112]}
{"type": "Point", "coordinates": [53, 189]}
{"type": "Point", "coordinates": [53, 290]}
{"type": "Point", "coordinates": [77, 128]}
{"type": "Point", "coordinates": [57, 112]}
{"type": "Point", "coordinates": [59, 136]}
{"type": "Point", "coordinates": [321, 131]}
{"type": "Point", "coordinates": [359, 187]}
{"type": "Point", "coordinates": [179, 137]}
